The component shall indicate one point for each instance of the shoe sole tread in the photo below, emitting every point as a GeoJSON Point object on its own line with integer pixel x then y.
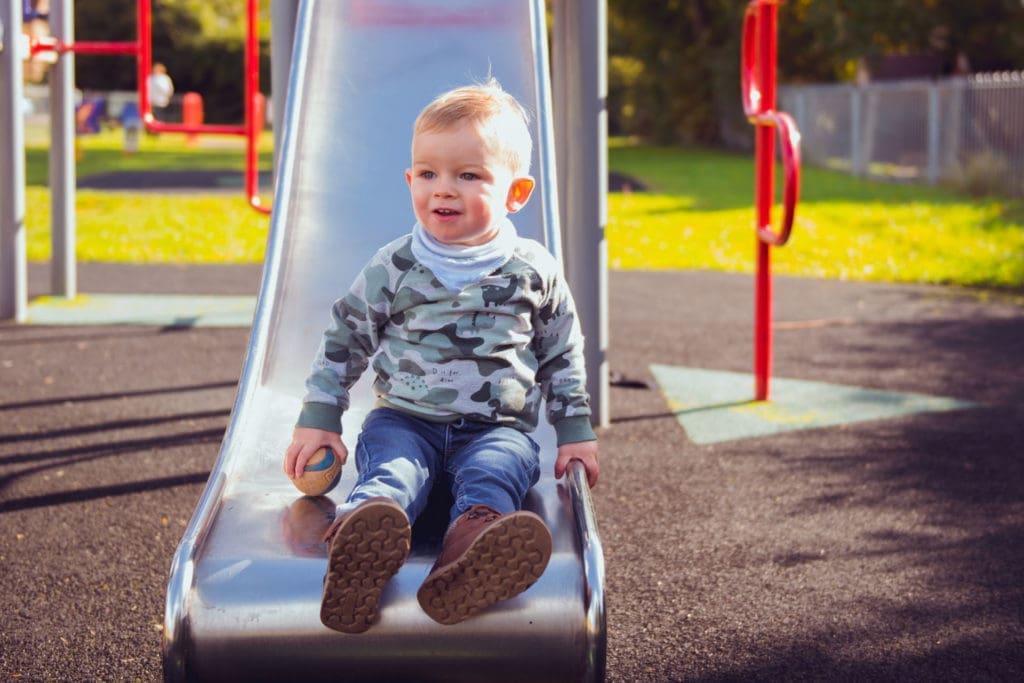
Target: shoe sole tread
{"type": "Point", "coordinates": [365, 552]}
{"type": "Point", "coordinates": [505, 560]}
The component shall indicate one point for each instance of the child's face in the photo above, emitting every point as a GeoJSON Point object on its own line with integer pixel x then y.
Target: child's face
{"type": "Point", "coordinates": [461, 188]}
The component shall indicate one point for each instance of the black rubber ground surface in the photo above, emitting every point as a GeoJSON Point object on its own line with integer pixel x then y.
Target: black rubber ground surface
{"type": "Point", "coordinates": [887, 550]}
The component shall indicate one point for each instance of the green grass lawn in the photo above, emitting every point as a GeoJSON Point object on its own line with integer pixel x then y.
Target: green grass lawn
{"type": "Point", "coordinates": [696, 212]}
{"type": "Point", "coordinates": [132, 227]}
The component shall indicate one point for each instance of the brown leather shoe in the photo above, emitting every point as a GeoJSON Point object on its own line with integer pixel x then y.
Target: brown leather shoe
{"type": "Point", "coordinates": [367, 546]}
{"type": "Point", "coordinates": [486, 557]}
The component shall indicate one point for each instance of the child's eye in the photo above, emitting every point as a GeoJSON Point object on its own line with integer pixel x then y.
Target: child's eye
{"type": "Point", "coordinates": [469, 176]}
{"type": "Point", "coordinates": [428, 175]}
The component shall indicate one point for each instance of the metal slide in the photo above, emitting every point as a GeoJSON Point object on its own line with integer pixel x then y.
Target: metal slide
{"type": "Point", "coordinates": [244, 591]}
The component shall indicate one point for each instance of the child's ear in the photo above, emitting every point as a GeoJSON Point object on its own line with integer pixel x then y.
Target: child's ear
{"type": "Point", "coordinates": [408, 177]}
{"type": "Point", "coordinates": [519, 193]}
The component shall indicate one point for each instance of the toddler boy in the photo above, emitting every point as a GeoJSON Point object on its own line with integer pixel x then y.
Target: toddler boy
{"type": "Point", "coordinates": [468, 327]}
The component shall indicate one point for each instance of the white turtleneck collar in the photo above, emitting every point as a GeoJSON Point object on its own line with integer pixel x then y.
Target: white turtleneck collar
{"type": "Point", "coordinates": [459, 266]}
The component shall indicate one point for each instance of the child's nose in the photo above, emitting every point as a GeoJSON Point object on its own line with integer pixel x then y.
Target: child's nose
{"type": "Point", "coordinates": [444, 187]}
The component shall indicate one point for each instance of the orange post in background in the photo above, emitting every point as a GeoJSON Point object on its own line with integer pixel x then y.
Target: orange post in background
{"type": "Point", "coordinates": [259, 111]}
{"type": "Point", "coordinates": [192, 114]}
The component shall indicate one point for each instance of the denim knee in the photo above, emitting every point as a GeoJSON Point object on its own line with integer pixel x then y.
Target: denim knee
{"type": "Point", "coordinates": [496, 467]}
{"type": "Point", "coordinates": [394, 458]}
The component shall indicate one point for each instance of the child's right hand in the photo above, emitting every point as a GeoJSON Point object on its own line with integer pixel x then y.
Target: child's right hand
{"type": "Point", "coordinates": [305, 442]}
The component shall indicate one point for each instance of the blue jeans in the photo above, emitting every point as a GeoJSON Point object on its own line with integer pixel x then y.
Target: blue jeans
{"type": "Point", "coordinates": [402, 457]}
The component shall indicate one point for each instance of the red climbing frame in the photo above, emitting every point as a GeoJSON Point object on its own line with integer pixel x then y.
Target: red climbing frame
{"type": "Point", "coordinates": [142, 50]}
{"type": "Point", "coordinates": [757, 76]}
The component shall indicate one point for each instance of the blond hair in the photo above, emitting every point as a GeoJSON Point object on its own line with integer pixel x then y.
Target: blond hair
{"type": "Point", "coordinates": [502, 120]}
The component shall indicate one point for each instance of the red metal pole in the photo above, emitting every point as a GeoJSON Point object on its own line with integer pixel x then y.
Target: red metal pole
{"type": "Point", "coordinates": [757, 79]}
{"type": "Point", "coordinates": [764, 174]}
{"type": "Point", "coordinates": [88, 48]}
{"type": "Point", "coordinates": [39, 44]}
{"type": "Point", "coordinates": [252, 91]}
{"type": "Point", "coordinates": [143, 58]}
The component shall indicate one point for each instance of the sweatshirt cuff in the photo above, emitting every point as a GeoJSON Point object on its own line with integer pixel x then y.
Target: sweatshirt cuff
{"type": "Point", "coordinates": [574, 429]}
{"type": "Point", "coordinates": [320, 416]}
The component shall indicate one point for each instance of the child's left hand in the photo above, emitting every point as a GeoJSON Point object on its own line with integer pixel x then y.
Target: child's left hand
{"type": "Point", "coordinates": [585, 452]}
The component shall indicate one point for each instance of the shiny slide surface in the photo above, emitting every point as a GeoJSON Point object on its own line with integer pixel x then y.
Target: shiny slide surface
{"type": "Point", "coordinates": [244, 591]}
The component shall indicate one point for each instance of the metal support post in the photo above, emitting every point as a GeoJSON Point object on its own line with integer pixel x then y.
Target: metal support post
{"type": "Point", "coordinates": [63, 275]}
{"type": "Point", "coordinates": [934, 120]}
{"type": "Point", "coordinates": [858, 159]}
{"type": "Point", "coordinates": [757, 79]}
{"type": "Point", "coordinates": [765, 174]}
{"type": "Point", "coordinates": [13, 269]}
{"type": "Point", "coordinates": [580, 68]}
{"type": "Point", "coordinates": [282, 38]}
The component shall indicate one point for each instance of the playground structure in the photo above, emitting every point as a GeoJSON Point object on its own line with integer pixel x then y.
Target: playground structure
{"type": "Point", "coordinates": [142, 50]}
{"type": "Point", "coordinates": [757, 77]}
{"type": "Point", "coordinates": [245, 584]}
{"type": "Point", "coordinates": [246, 581]}
{"type": "Point", "coordinates": [60, 47]}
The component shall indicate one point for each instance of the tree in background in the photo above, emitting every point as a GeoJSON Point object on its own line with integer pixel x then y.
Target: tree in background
{"type": "Point", "coordinates": [674, 65]}
{"type": "Point", "coordinates": [670, 64]}
{"type": "Point", "coordinates": [826, 40]}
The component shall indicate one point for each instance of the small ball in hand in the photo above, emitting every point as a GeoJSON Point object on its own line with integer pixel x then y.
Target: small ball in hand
{"type": "Point", "coordinates": [321, 474]}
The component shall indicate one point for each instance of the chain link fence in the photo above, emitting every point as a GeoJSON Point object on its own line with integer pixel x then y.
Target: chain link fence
{"type": "Point", "coordinates": [967, 132]}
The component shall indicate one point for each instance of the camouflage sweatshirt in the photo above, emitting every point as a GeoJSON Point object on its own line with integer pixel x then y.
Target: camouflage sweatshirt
{"type": "Point", "coordinates": [487, 353]}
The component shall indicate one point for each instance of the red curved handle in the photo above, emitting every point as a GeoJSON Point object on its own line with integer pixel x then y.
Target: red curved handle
{"type": "Point", "coordinates": [749, 83]}
{"type": "Point", "coordinates": [789, 139]}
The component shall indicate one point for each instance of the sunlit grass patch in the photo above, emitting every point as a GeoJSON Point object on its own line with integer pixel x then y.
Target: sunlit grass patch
{"type": "Point", "coordinates": [698, 213]}
{"type": "Point", "coordinates": [129, 227]}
